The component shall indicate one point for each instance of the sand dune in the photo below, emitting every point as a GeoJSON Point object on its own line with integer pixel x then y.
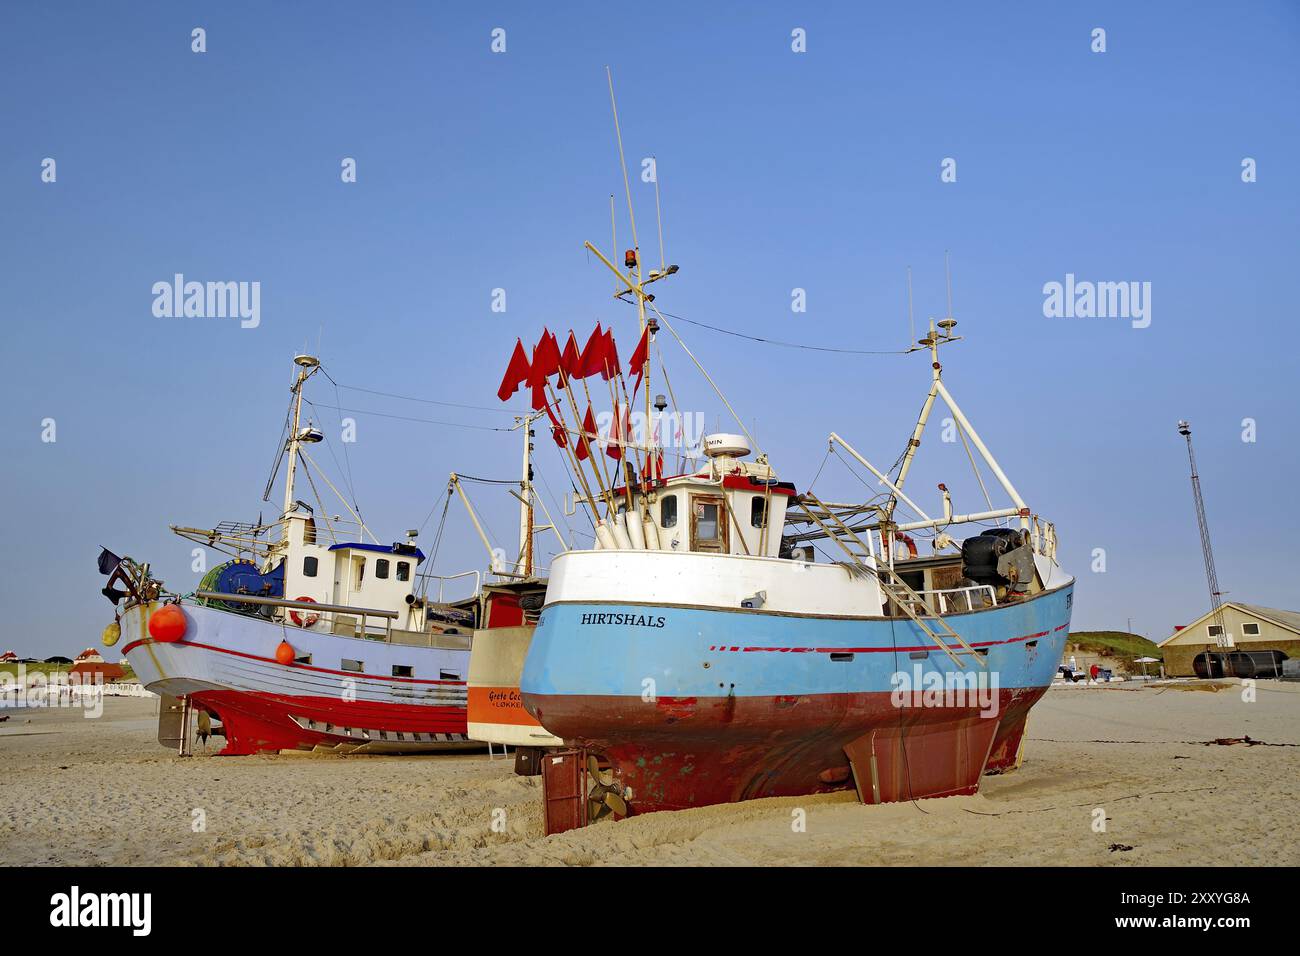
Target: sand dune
{"type": "Point", "coordinates": [79, 791]}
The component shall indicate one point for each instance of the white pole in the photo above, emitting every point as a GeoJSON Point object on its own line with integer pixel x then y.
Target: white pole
{"type": "Point", "coordinates": [884, 480]}
{"type": "Point", "coordinates": [987, 455]}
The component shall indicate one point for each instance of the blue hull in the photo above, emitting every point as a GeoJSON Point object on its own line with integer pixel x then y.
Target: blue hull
{"type": "Point", "coordinates": [695, 705]}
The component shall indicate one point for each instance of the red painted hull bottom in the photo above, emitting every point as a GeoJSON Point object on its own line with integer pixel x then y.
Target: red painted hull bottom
{"type": "Point", "coordinates": [689, 752]}
{"type": "Point", "coordinates": [262, 722]}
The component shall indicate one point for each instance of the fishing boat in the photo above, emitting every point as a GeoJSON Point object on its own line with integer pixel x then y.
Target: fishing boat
{"type": "Point", "coordinates": [700, 651]}
{"type": "Point", "coordinates": [315, 634]}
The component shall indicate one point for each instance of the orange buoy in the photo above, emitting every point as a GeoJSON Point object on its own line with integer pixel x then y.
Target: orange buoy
{"type": "Point", "coordinates": [285, 653]}
{"type": "Point", "coordinates": [167, 624]}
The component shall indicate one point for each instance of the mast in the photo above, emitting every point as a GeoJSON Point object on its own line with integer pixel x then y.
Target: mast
{"type": "Point", "coordinates": [633, 264]}
{"type": "Point", "coordinates": [524, 565]}
{"type": "Point", "coordinates": [931, 341]}
{"type": "Point", "coordinates": [307, 366]}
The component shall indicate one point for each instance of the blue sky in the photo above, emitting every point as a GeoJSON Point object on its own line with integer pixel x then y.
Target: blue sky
{"type": "Point", "coordinates": [779, 170]}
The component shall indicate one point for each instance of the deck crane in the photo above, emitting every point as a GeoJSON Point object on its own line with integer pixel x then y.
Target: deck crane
{"type": "Point", "coordinates": [1207, 552]}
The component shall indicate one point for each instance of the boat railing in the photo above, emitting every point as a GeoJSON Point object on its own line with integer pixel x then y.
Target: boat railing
{"type": "Point", "coordinates": [953, 600]}
{"type": "Point", "coordinates": [442, 580]}
{"type": "Point", "coordinates": [331, 611]}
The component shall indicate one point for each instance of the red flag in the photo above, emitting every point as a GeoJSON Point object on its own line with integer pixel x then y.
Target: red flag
{"type": "Point", "coordinates": [571, 359]}
{"type": "Point", "coordinates": [657, 461]}
{"type": "Point", "coordinates": [546, 362]}
{"type": "Point", "coordinates": [588, 429]}
{"type": "Point", "coordinates": [593, 355]}
{"type": "Point", "coordinates": [516, 372]}
{"type": "Point", "coordinates": [636, 364]}
{"type": "Point", "coordinates": [617, 433]}
{"type": "Point", "coordinates": [609, 360]}
{"type": "Point", "coordinates": [558, 431]}
{"type": "Point", "coordinates": [546, 359]}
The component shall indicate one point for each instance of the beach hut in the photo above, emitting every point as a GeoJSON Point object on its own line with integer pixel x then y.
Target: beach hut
{"type": "Point", "coordinates": [1246, 628]}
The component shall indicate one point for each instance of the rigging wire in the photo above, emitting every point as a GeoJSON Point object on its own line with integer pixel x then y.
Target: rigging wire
{"type": "Point", "coordinates": [783, 344]}
{"type": "Point", "coordinates": [275, 467]}
{"type": "Point", "coordinates": [408, 418]}
{"type": "Point", "coordinates": [488, 481]}
{"type": "Point", "coordinates": [427, 401]}
{"type": "Point", "coordinates": [346, 457]}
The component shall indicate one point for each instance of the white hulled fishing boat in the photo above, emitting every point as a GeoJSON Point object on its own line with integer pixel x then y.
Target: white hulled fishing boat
{"type": "Point", "coordinates": [315, 634]}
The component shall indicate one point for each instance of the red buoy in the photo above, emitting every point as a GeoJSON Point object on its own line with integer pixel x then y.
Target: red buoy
{"type": "Point", "coordinates": [285, 653]}
{"type": "Point", "coordinates": [167, 624]}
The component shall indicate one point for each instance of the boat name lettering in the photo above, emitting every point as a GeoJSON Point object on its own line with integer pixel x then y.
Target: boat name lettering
{"type": "Point", "coordinates": [625, 620]}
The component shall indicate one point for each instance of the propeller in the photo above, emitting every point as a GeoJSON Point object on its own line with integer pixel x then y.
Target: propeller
{"type": "Point", "coordinates": [604, 797]}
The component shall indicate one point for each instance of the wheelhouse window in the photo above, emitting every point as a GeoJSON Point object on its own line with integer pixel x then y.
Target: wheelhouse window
{"type": "Point", "coordinates": [707, 521]}
{"type": "Point", "coordinates": [403, 570]}
{"type": "Point", "coordinates": [360, 564]}
{"type": "Point", "coordinates": [403, 670]}
{"type": "Point", "coordinates": [352, 667]}
{"type": "Point", "coordinates": [381, 569]}
{"type": "Point", "coordinates": [668, 511]}
{"type": "Point", "coordinates": [310, 565]}
{"type": "Point", "coordinates": [758, 511]}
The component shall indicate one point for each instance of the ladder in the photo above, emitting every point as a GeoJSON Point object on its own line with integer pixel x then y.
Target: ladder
{"type": "Point", "coordinates": [891, 583]}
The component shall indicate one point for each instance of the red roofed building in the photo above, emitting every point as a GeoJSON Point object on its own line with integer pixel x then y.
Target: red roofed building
{"type": "Point", "coordinates": [90, 656]}
{"type": "Point", "coordinates": [94, 670]}
{"type": "Point", "coordinates": [8, 657]}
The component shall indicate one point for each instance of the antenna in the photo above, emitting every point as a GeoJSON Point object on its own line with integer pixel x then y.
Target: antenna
{"type": "Point", "coordinates": [663, 264]}
{"type": "Point", "coordinates": [911, 322]}
{"type": "Point", "coordinates": [613, 235]}
{"type": "Point", "coordinates": [947, 270]}
{"type": "Point", "coordinates": [627, 186]}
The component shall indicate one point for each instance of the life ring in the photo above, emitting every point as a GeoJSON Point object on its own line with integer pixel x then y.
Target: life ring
{"type": "Point", "coordinates": [906, 539]}
{"type": "Point", "coordinates": [307, 618]}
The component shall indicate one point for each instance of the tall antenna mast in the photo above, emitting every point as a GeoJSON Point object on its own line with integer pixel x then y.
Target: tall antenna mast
{"type": "Point", "coordinates": [1207, 553]}
{"type": "Point", "coordinates": [307, 366]}
{"type": "Point", "coordinates": [633, 262]}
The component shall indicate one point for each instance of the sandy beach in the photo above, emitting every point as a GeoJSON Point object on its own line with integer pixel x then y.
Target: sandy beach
{"type": "Point", "coordinates": [101, 791]}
